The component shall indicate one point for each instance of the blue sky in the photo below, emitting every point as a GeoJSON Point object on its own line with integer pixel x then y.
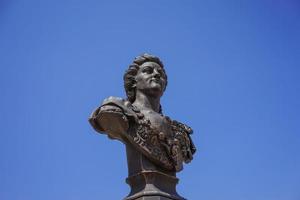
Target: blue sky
{"type": "Point", "coordinates": [233, 70]}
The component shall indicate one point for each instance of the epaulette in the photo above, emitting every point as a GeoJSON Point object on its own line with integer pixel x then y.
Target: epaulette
{"type": "Point", "coordinates": [183, 128]}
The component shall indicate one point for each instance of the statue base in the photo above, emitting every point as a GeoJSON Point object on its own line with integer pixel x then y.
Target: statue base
{"type": "Point", "coordinates": [151, 185]}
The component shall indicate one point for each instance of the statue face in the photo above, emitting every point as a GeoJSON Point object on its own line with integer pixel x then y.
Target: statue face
{"type": "Point", "coordinates": [151, 79]}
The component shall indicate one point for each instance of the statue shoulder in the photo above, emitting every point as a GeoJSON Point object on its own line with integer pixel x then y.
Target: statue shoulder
{"type": "Point", "coordinates": [117, 101]}
{"type": "Point", "coordinates": [183, 132]}
{"type": "Point", "coordinates": [112, 116]}
{"type": "Point", "coordinates": [181, 127]}
{"type": "Point", "coordinates": [120, 104]}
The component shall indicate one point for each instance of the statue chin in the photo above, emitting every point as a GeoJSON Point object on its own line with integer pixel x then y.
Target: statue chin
{"type": "Point", "coordinates": [155, 91]}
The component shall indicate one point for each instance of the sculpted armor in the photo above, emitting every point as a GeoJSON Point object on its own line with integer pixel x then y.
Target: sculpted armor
{"type": "Point", "coordinates": [168, 150]}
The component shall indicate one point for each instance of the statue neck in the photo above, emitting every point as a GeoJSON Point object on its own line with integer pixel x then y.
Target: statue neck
{"type": "Point", "coordinates": [146, 102]}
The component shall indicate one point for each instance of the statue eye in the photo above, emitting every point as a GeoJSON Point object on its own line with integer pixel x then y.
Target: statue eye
{"type": "Point", "coordinates": [148, 70]}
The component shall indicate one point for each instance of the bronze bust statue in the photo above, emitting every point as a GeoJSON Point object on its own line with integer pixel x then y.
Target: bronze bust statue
{"type": "Point", "coordinates": [156, 145]}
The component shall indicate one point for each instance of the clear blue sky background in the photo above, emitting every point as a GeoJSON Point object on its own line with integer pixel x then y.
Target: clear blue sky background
{"type": "Point", "coordinates": [234, 76]}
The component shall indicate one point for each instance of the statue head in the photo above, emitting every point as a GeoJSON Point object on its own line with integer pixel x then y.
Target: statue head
{"type": "Point", "coordinates": [145, 73]}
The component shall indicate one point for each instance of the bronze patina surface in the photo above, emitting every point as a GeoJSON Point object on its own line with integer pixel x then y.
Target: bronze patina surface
{"type": "Point", "coordinates": [156, 145]}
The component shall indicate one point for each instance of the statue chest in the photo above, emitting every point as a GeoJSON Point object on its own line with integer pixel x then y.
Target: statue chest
{"type": "Point", "coordinates": [158, 123]}
{"type": "Point", "coordinates": [153, 135]}
{"type": "Point", "coordinates": [160, 139]}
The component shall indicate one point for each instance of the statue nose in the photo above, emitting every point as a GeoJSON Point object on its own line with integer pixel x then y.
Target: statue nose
{"type": "Point", "coordinates": [156, 76]}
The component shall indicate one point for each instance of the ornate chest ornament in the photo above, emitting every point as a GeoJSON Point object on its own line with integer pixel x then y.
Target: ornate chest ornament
{"type": "Point", "coordinates": [170, 151]}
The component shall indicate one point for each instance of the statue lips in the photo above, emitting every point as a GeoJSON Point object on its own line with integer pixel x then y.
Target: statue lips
{"type": "Point", "coordinates": [156, 80]}
{"type": "Point", "coordinates": [156, 84]}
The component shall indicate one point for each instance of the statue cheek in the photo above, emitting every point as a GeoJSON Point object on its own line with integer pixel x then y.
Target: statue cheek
{"type": "Point", "coordinates": [141, 85]}
{"type": "Point", "coordinates": [141, 78]}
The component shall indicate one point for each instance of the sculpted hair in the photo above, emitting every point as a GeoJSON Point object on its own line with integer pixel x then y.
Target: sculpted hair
{"type": "Point", "coordinates": [129, 76]}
